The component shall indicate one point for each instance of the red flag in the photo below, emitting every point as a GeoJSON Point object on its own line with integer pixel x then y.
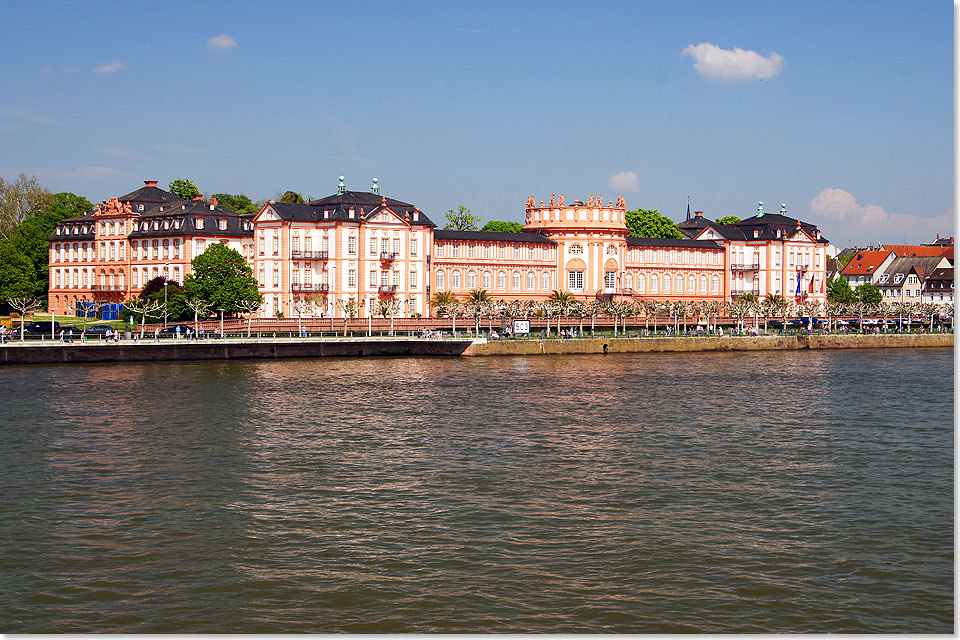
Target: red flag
{"type": "Point", "coordinates": [821, 286]}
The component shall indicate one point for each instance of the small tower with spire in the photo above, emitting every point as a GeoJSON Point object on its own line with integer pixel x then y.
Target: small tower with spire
{"type": "Point", "coordinates": [341, 188]}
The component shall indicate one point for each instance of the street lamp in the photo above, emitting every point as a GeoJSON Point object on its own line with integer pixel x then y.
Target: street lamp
{"type": "Point", "coordinates": [53, 317]}
{"type": "Point", "coordinates": [221, 323]}
{"type": "Point", "coordinates": [166, 279]}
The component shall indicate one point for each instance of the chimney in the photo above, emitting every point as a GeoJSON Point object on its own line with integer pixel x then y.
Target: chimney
{"type": "Point", "coordinates": [149, 183]}
{"type": "Point", "coordinates": [213, 204]}
{"type": "Point", "coordinates": [416, 214]}
{"type": "Point", "coordinates": [698, 214]}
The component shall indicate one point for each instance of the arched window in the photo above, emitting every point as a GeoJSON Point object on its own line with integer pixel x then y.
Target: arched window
{"type": "Point", "coordinates": [641, 283]}
{"type": "Point", "coordinates": [545, 280]}
{"type": "Point", "coordinates": [455, 280]}
{"type": "Point", "coordinates": [531, 280]}
{"type": "Point", "coordinates": [440, 280]}
{"type": "Point", "coordinates": [486, 276]}
{"type": "Point", "coordinates": [516, 281]}
{"type": "Point", "coordinates": [703, 284]}
{"type": "Point", "coordinates": [653, 282]}
{"type": "Point", "coordinates": [576, 248]}
{"type": "Point", "coordinates": [501, 279]}
{"type": "Point", "coordinates": [628, 281]}
{"type": "Point", "coordinates": [678, 282]}
{"type": "Point", "coordinates": [692, 284]}
{"type": "Point", "coordinates": [666, 284]}
{"type": "Point", "coordinates": [715, 284]}
{"type": "Point", "coordinates": [471, 279]}
{"type": "Point", "coordinates": [612, 250]}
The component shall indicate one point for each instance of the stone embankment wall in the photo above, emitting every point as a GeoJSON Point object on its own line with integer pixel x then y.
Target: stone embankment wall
{"type": "Point", "coordinates": [727, 343]}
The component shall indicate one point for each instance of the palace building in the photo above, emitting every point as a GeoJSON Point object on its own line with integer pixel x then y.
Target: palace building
{"type": "Point", "coordinates": [359, 252]}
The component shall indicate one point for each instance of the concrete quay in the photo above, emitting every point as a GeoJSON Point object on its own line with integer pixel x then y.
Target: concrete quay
{"type": "Point", "coordinates": [54, 352]}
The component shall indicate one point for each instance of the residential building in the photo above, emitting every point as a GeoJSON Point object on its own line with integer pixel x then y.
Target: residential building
{"type": "Point", "coordinates": [865, 266]}
{"type": "Point", "coordinates": [902, 280]}
{"type": "Point", "coordinates": [938, 286]}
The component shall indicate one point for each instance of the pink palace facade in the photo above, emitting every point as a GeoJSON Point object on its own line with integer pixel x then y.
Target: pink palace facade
{"type": "Point", "coordinates": [352, 251]}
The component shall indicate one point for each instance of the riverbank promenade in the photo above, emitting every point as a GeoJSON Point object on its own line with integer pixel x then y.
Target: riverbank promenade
{"type": "Point", "coordinates": [270, 347]}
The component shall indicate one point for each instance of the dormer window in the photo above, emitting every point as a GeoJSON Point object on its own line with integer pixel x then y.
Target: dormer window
{"type": "Point", "coordinates": [156, 225]}
{"type": "Point", "coordinates": [139, 207]}
{"type": "Point", "coordinates": [58, 230]}
{"type": "Point", "coordinates": [136, 225]}
{"type": "Point", "coordinates": [222, 224]}
{"type": "Point", "coordinates": [84, 228]}
{"type": "Point", "coordinates": [756, 233]}
{"type": "Point", "coordinates": [166, 224]}
{"type": "Point", "coordinates": [198, 223]}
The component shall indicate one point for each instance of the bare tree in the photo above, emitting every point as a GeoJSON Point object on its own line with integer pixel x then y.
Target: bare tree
{"type": "Point", "coordinates": [24, 306]}
{"type": "Point", "coordinates": [248, 307]}
{"type": "Point", "coordinates": [20, 200]}
{"type": "Point", "coordinates": [199, 307]}
{"type": "Point", "coordinates": [144, 307]}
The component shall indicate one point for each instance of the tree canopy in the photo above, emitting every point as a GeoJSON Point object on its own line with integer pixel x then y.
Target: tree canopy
{"type": "Point", "coordinates": [222, 277]}
{"type": "Point", "coordinates": [240, 203]}
{"type": "Point", "coordinates": [176, 299]}
{"type": "Point", "coordinates": [19, 200]}
{"type": "Point", "coordinates": [728, 220]}
{"type": "Point", "coordinates": [868, 293]}
{"type": "Point", "coordinates": [461, 220]}
{"type": "Point", "coordinates": [838, 290]}
{"type": "Point", "coordinates": [183, 189]}
{"type": "Point", "coordinates": [292, 197]}
{"type": "Point", "coordinates": [499, 226]}
{"type": "Point", "coordinates": [651, 224]}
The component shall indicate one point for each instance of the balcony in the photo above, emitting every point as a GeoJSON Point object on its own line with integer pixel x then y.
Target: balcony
{"type": "Point", "coordinates": [737, 292]}
{"type": "Point", "coordinates": [387, 288]}
{"type": "Point", "coordinates": [388, 256]}
{"type": "Point", "coordinates": [737, 266]}
{"type": "Point", "coordinates": [310, 255]}
{"type": "Point", "coordinates": [303, 286]}
{"type": "Point", "coordinates": [108, 287]}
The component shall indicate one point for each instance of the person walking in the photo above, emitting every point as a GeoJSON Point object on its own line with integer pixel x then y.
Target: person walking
{"type": "Point", "coordinates": [156, 334]}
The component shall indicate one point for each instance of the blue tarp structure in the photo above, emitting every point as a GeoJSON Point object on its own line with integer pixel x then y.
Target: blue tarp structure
{"type": "Point", "coordinates": [107, 312]}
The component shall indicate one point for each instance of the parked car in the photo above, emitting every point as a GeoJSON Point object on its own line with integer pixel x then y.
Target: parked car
{"type": "Point", "coordinates": [173, 329]}
{"type": "Point", "coordinates": [100, 329]}
{"type": "Point", "coordinates": [44, 326]}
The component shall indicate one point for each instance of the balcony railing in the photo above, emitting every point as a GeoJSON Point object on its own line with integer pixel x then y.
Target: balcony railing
{"type": "Point", "coordinates": [739, 266]}
{"type": "Point", "coordinates": [387, 288]}
{"type": "Point", "coordinates": [108, 287]}
{"type": "Point", "coordinates": [310, 255]}
{"type": "Point", "coordinates": [301, 286]}
{"type": "Point", "coordinates": [739, 292]}
{"type": "Point", "coordinates": [388, 255]}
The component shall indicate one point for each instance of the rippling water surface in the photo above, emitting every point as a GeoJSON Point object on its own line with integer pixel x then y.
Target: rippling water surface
{"type": "Point", "coordinates": [742, 492]}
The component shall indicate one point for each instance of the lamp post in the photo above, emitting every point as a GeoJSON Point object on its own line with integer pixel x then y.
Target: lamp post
{"type": "Point", "coordinates": [166, 278]}
{"type": "Point", "coordinates": [221, 323]}
{"type": "Point", "coordinates": [53, 317]}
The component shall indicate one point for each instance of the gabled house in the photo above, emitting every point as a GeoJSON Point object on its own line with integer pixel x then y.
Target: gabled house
{"type": "Point", "coordinates": [938, 286]}
{"type": "Point", "coordinates": [866, 265]}
{"type": "Point", "coordinates": [902, 280]}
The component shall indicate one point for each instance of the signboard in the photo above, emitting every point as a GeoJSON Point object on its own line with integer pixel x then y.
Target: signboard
{"type": "Point", "coordinates": [521, 327]}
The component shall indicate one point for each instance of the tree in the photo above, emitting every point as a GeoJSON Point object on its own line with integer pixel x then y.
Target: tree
{"type": "Point", "coordinates": [291, 197]}
{"type": "Point", "coordinates": [142, 308]}
{"type": "Point", "coordinates": [461, 220]}
{"type": "Point", "coordinates": [222, 277]}
{"type": "Point", "coordinates": [477, 299]}
{"type": "Point", "coordinates": [183, 189]}
{"type": "Point", "coordinates": [240, 203]}
{"type": "Point", "coordinates": [563, 302]}
{"type": "Point", "coordinates": [651, 224]}
{"type": "Point", "coordinates": [17, 276]}
{"type": "Point", "coordinates": [728, 220]}
{"type": "Point", "coordinates": [19, 200]}
{"type": "Point", "coordinates": [249, 307]}
{"type": "Point", "coordinates": [869, 293]}
{"type": "Point", "coordinates": [201, 307]}
{"type": "Point", "coordinates": [24, 306]}
{"type": "Point", "coordinates": [498, 226]}
{"type": "Point", "coordinates": [838, 290]}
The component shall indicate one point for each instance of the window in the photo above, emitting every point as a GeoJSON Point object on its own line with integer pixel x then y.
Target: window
{"type": "Point", "coordinates": [440, 280]}
{"type": "Point", "coordinates": [455, 277]}
{"type": "Point", "coordinates": [413, 279]}
{"type": "Point", "coordinates": [471, 278]}
{"type": "Point", "coordinates": [276, 245]}
{"type": "Point", "coordinates": [610, 280]}
{"type": "Point", "coordinates": [176, 247]}
{"type": "Point", "coordinates": [612, 250]}
{"type": "Point", "coordinates": [500, 250]}
{"type": "Point", "coordinates": [576, 248]}
{"type": "Point", "coordinates": [373, 246]}
{"type": "Point", "coordinates": [703, 284]}
{"type": "Point", "coordinates": [575, 281]}
{"type": "Point", "coordinates": [307, 276]}
{"type": "Point", "coordinates": [262, 279]}
{"type": "Point", "coordinates": [486, 251]}
{"type": "Point", "coordinates": [691, 284]}
{"type": "Point", "coordinates": [200, 244]}
{"type": "Point", "coordinates": [486, 277]}
{"type": "Point", "coordinates": [113, 251]}
{"type": "Point", "coordinates": [531, 280]}
{"type": "Point", "coordinates": [276, 277]}
{"type": "Point", "coordinates": [413, 246]}
{"type": "Point", "coordinates": [396, 246]}
{"type": "Point", "coordinates": [516, 252]}
{"type": "Point", "coordinates": [776, 257]}
{"type": "Point", "coordinates": [166, 249]}
{"type": "Point", "coordinates": [261, 245]}
{"type": "Point", "coordinates": [654, 283]}
{"type": "Point", "coordinates": [222, 224]}
{"type": "Point", "coordinates": [531, 253]}
{"type": "Point", "coordinates": [471, 251]}
{"type": "Point", "coordinates": [156, 249]}
{"type": "Point", "coordinates": [456, 250]}
{"type": "Point", "coordinates": [666, 284]}
{"type": "Point", "coordinates": [352, 278]}
{"type": "Point", "coordinates": [326, 244]}
{"type": "Point", "coordinates": [295, 244]}
{"type": "Point", "coordinates": [176, 275]}
{"type": "Point", "coordinates": [198, 223]}
{"type": "Point", "coordinates": [641, 283]}
{"type": "Point", "coordinates": [307, 244]}
{"type": "Point", "coordinates": [545, 280]}
{"type": "Point", "coordinates": [501, 279]}
{"type": "Point", "coordinates": [352, 245]}
{"type": "Point", "coordinates": [373, 277]}
{"type": "Point", "coordinates": [395, 279]}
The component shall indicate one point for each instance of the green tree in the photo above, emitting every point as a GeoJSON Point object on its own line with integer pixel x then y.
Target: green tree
{"type": "Point", "coordinates": [17, 276]}
{"type": "Point", "coordinates": [651, 224]}
{"type": "Point", "coordinates": [222, 277]}
{"type": "Point", "coordinates": [728, 220]}
{"type": "Point", "coordinates": [21, 199]}
{"type": "Point", "coordinates": [461, 220]}
{"type": "Point", "coordinates": [292, 197]}
{"type": "Point", "coordinates": [240, 203]}
{"type": "Point", "coordinates": [498, 226]}
{"type": "Point", "coordinates": [868, 293]}
{"type": "Point", "coordinates": [838, 290]}
{"type": "Point", "coordinates": [183, 189]}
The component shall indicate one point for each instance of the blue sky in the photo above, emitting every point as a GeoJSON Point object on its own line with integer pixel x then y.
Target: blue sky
{"type": "Point", "coordinates": [843, 111]}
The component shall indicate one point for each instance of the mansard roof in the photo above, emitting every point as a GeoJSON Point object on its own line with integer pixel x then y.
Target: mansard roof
{"type": "Point", "coordinates": [150, 194]}
{"type": "Point", "coordinates": [187, 213]}
{"type": "Point", "coordinates": [686, 243]}
{"type": "Point", "coordinates": [941, 274]}
{"type": "Point", "coordinates": [491, 236]}
{"type": "Point", "coordinates": [338, 207]}
{"type": "Point", "coordinates": [920, 265]}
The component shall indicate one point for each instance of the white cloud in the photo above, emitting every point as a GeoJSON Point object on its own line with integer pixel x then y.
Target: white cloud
{"type": "Point", "coordinates": [115, 151]}
{"type": "Point", "coordinates": [110, 67]}
{"type": "Point", "coordinates": [625, 181]}
{"type": "Point", "coordinates": [221, 42]}
{"type": "Point", "coordinates": [28, 115]}
{"type": "Point", "coordinates": [870, 223]}
{"type": "Point", "coordinates": [178, 148]}
{"type": "Point", "coordinates": [715, 63]}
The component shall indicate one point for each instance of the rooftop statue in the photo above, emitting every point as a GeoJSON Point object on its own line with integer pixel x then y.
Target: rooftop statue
{"type": "Point", "coordinates": [561, 200]}
{"type": "Point", "coordinates": [553, 199]}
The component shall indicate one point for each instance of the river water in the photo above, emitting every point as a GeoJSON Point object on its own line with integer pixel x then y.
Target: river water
{"type": "Point", "coordinates": [728, 492]}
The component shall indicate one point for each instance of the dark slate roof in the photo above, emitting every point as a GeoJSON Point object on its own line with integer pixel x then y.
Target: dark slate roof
{"type": "Point", "coordinates": [77, 223]}
{"type": "Point", "coordinates": [491, 236]}
{"type": "Point", "coordinates": [943, 273]}
{"type": "Point", "coordinates": [672, 242]}
{"type": "Point", "coordinates": [921, 265]}
{"type": "Point", "coordinates": [150, 195]}
{"type": "Point", "coordinates": [365, 205]}
{"type": "Point", "coordinates": [768, 223]}
{"type": "Point", "coordinates": [186, 213]}
{"type": "Point", "coordinates": [695, 223]}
